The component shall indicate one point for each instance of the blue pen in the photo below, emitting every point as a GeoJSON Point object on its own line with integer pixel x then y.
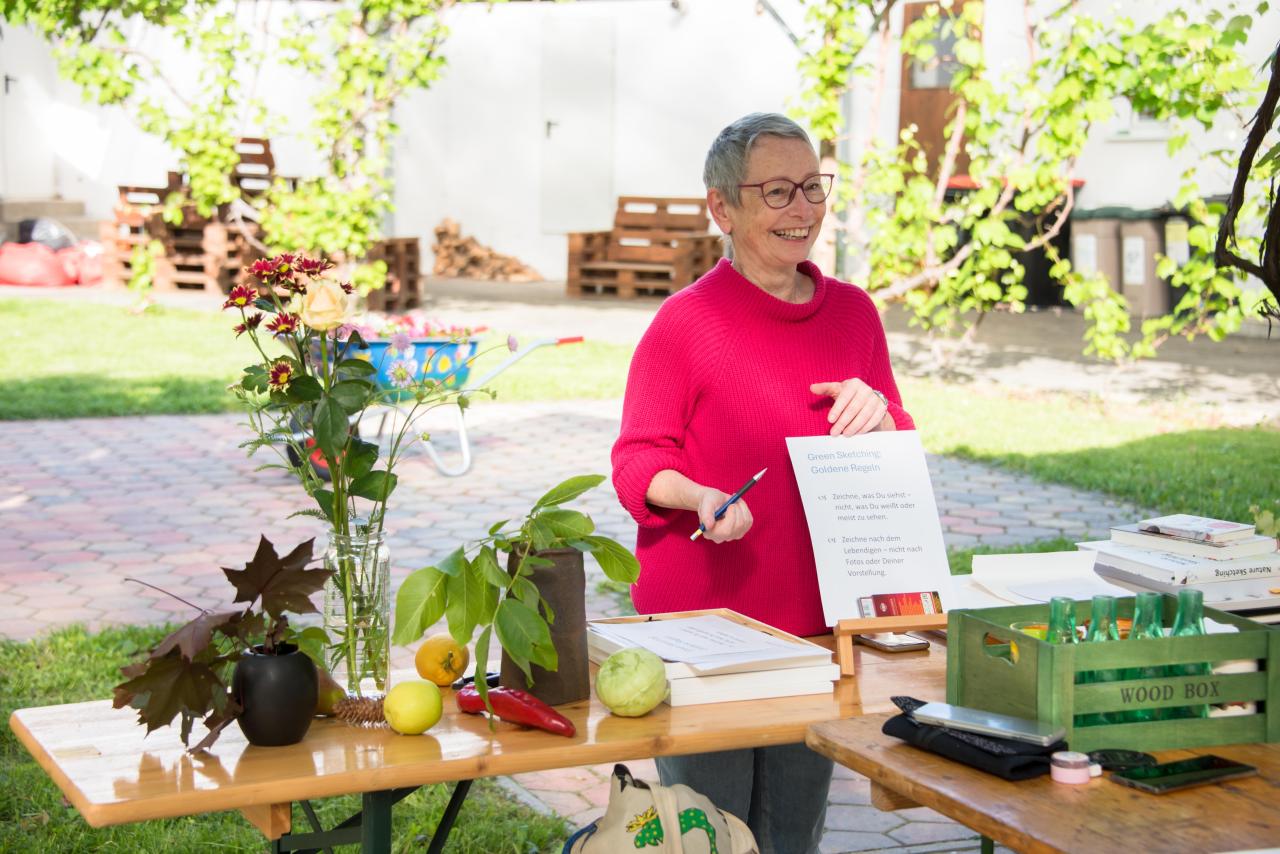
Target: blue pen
{"type": "Point", "coordinates": [702, 529]}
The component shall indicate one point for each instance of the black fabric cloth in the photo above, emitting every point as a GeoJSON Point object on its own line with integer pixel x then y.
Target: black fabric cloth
{"type": "Point", "coordinates": [1004, 757]}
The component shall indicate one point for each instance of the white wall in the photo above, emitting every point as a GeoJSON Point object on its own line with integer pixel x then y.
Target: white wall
{"type": "Point", "coordinates": [470, 149]}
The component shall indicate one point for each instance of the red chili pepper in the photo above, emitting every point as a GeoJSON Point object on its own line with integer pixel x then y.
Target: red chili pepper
{"type": "Point", "coordinates": [518, 707]}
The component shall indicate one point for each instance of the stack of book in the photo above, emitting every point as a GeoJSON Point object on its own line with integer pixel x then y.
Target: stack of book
{"type": "Point", "coordinates": [1172, 551]}
{"type": "Point", "coordinates": [719, 656]}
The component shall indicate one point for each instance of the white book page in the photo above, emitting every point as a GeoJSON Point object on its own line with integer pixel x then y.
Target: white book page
{"type": "Point", "coordinates": [705, 643]}
{"type": "Point", "coordinates": [1034, 577]}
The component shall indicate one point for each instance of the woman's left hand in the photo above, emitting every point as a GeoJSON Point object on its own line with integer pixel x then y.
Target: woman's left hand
{"type": "Point", "coordinates": [858, 408]}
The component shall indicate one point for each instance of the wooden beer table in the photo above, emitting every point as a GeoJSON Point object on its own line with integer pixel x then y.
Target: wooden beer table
{"type": "Point", "coordinates": [112, 774]}
{"type": "Point", "coordinates": [1040, 816]}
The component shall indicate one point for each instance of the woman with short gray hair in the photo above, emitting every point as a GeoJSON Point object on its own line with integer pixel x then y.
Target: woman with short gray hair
{"type": "Point", "coordinates": [764, 346]}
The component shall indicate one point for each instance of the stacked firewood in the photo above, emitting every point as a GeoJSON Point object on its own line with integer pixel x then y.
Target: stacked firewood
{"type": "Point", "coordinates": [467, 258]}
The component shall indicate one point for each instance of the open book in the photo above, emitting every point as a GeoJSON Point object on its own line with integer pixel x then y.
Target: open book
{"type": "Point", "coordinates": [719, 655]}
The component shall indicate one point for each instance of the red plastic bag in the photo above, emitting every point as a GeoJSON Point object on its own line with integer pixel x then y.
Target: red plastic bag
{"type": "Point", "coordinates": [32, 264]}
{"type": "Point", "coordinates": [83, 262]}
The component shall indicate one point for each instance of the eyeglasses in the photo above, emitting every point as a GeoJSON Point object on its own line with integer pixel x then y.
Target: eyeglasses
{"type": "Point", "coordinates": [780, 192]}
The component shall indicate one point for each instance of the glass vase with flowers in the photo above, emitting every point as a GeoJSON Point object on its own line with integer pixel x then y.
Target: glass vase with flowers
{"type": "Point", "coordinates": [306, 394]}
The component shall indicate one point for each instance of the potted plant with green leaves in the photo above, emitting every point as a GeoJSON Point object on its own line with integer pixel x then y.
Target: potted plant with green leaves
{"type": "Point", "coordinates": [245, 664]}
{"type": "Point", "coordinates": [536, 606]}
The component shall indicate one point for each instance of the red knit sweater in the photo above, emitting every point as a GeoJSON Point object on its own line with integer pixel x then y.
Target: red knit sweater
{"type": "Point", "coordinates": [718, 381]}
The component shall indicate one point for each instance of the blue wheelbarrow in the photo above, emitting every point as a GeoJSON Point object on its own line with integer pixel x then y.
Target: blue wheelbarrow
{"type": "Point", "coordinates": [445, 360]}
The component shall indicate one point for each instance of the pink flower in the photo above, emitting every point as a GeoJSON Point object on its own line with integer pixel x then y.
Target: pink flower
{"type": "Point", "coordinates": [283, 324]}
{"type": "Point", "coordinates": [250, 322]}
{"type": "Point", "coordinates": [241, 296]}
{"type": "Point", "coordinates": [401, 342]}
{"type": "Point", "coordinates": [345, 330]}
{"type": "Point", "coordinates": [512, 343]}
{"type": "Point", "coordinates": [281, 375]}
{"type": "Point", "coordinates": [402, 372]}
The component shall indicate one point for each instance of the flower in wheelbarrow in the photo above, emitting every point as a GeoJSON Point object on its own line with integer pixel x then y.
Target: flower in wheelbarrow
{"type": "Point", "coordinates": [282, 373]}
{"type": "Point", "coordinates": [325, 305]}
{"type": "Point", "coordinates": [402, 372]}
{"type": "Point", "coordinates": [401, 343]}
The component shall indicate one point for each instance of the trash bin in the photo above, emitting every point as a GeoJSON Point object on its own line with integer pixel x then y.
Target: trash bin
{"type": "Point", "coordinates": [1122, 244]}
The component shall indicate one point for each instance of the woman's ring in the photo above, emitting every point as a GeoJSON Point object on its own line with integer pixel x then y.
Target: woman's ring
{"type": "Point", "coordinates": [880, 395]}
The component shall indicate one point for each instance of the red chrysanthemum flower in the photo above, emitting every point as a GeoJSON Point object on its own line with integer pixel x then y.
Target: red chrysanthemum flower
{"type": "Point", "coordinates": [346, 287]}
{"type": "Point", "coordinates": [250, 322]}
{"type": "Point", "coordinates": [284, 324]}
{"type": "Point", "coordinates": [280, 376]}
{"type": "Point", "coordinates": [241, 296]}
{"type": "Point", "coordinates": [277, 271]}
{"type": "Point", "coordinates": [312, 266]}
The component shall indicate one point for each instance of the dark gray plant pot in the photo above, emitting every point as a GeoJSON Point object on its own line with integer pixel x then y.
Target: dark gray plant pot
{"type": "Point", "coordinates": [278, 693]}
{"type": "Point", "coordinates": [564, 586]}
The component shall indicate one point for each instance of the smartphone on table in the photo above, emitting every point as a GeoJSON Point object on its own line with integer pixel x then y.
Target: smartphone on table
{"type": "Point", "coordinates": [1182, 774]}
{"type": "Point", "coordinates": [892, 642]}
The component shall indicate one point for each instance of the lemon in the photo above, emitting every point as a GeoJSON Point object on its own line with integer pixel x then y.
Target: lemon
{"type": "Point", "coordinates": [441, 659]}
{"type": "Point", "coordinates": [413, 707]}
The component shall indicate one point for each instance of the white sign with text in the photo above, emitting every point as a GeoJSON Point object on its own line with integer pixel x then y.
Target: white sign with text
{"type": "Point", "coordinates": [874, 524]}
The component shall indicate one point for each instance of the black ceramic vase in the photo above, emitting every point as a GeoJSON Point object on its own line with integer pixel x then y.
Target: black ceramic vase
{"type": "Point", "coordinates": [278, 693]}
{"type": "Point", "coordinates": [564, 586]}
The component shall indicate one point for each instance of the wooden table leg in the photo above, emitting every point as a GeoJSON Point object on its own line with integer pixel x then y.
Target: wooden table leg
{"type": "Point", "coordinates": [888, 800]}
{"type": "Point", "coordinates": [274, 820]}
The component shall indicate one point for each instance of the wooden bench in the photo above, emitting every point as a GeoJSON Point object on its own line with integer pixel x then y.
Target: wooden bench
{"type": "Point", "coordinates": [657, 246]}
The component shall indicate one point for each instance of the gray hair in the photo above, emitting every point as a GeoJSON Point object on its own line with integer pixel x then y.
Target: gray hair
{"type": "Point", "coordinates": [726, 165]}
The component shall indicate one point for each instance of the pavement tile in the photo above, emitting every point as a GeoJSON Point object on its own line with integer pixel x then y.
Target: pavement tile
{"type": "Point", "coordinates": [842, 841]}
{"type": "Point", "coordinates": [864, 819]}
{"type": "Point", "coordinates": [916, 833]}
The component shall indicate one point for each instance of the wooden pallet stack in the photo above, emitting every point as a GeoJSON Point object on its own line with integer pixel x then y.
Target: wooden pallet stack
{"type": "Point", "coordinates": [210, 253]}
{"type": "Point", "coordinates": [403, 290]}
{"type": "Point", "coordinates": [657, 246]}
{"type": "Point", "coordinates": [201, 254]}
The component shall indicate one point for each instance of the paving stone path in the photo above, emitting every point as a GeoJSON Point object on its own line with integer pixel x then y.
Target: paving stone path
{"type": "Point", "coordinates": [85, 504]}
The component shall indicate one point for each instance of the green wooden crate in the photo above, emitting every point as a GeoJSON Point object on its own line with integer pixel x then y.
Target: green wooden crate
{"type": "Point", "coordinates": [1017, 674]}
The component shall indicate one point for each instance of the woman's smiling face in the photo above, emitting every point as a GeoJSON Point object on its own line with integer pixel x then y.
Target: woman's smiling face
{"type": "Point", "coordinates": [766, 238]}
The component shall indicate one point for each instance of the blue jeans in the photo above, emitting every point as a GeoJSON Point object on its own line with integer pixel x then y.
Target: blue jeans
{"type": "Point", "coordinates": [780, 792]}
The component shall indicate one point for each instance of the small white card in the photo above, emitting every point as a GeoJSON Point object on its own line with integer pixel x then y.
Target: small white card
{"type": "Point", "coordinates": [872, 519]}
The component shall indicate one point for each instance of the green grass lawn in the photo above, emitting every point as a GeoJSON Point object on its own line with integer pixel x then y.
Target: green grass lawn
{"type": "Point", "coordinates": [71, 665]}
{"type": "Point", "coordinates": [89, 360]}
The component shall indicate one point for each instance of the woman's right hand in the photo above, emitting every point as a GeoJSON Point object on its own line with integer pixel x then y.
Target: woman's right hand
{"type": "Point", "coordinates": [732, 526]}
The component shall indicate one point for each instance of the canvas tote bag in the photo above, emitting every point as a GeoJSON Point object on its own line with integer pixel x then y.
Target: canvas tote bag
{"type": "Point", "coordinates": [640, 817]}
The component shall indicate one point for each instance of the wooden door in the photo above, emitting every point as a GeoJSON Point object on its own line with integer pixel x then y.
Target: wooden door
{"type": "Point", "coordinates": [926, 99]}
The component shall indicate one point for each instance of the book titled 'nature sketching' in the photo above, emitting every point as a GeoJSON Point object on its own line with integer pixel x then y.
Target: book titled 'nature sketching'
{"type": "Point", "coordinates": [719, 655]}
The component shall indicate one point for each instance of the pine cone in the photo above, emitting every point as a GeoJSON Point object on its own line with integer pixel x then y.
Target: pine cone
{"type": "Point", "coordinates": [360, 711]}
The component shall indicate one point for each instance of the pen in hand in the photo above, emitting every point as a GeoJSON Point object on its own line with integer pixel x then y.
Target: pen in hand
{"type": "Point", "coordinates": [733, 499]}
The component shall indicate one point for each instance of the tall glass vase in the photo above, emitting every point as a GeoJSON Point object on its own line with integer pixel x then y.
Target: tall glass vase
{"type": "Point", "coordinates": [357, 611]}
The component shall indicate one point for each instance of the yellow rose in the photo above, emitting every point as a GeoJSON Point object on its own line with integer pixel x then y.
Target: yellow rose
{"type": "Point", "coordinates": [325, 305]}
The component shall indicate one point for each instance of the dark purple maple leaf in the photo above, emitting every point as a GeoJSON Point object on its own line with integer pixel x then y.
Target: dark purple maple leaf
{"type": "Point", "coordinates": [283, 583]}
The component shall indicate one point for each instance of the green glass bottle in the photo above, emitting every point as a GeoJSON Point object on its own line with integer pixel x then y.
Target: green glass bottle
{"type": "Point", "coordinates": [1189, 622]}
{"type": "Point", "coordinates": [1102, 627]}
{"type": "Point", "coordinates": [1147, 624]}
{"type": "Point", "coordinates": [1062, 621]}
